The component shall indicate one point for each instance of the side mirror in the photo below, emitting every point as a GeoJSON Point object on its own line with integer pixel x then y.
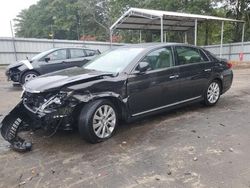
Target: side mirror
{"type": "Point", "coordinates": [143, 67]}
{"type": "Point", "coordinates": [47, 59]}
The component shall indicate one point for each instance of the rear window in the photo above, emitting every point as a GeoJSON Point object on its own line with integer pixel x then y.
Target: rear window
{"type": "Point", "coordinates": [91, 52]}
{"type": "Point", "coordinates": [189, 55]}
{"type": "Point", "coordinates": [77, 53]}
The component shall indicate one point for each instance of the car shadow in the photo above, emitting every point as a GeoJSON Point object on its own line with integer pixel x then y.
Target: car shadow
{"type": "Point", "coordinates": [131, 134]}
{"type": "Point", "coordinates": [13, 88]}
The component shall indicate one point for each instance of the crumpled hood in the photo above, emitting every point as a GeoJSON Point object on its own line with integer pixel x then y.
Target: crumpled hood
{"type": "Point", "coordinates": [56, 80]}
{"type": "Point", "coordinates": [20, 63]}
{"type": "Point", "coordinates": [16, 64]}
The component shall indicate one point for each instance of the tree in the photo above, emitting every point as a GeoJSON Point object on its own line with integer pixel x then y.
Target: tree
{"type": "Point", "coordinates": [70, 19]}
{"type": "Point", "coordinates": [240, 10]}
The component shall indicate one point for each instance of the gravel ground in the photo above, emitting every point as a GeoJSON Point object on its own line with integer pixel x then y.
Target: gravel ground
{"type": "Point", "coordinates": [194, 146]}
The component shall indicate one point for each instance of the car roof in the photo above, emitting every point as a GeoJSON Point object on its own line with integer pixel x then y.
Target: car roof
{"type": "Point", "coordinates": [156, 45]}
{"type": "Point", "coordinates": [61, 48]}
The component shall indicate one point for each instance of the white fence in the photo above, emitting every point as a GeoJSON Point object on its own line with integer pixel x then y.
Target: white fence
{"type": "Point", "coordinates": [232, 51]}
{"type": "Point", "coordinates": [20, 48]}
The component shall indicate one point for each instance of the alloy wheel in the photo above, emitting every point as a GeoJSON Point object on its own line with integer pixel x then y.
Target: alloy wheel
{"type": "Point", "coordinates": [29, 77]}
{"type": "Point", "coordinates": [104, 121]}
{"type": "Point", "coordinates": [213, 92]}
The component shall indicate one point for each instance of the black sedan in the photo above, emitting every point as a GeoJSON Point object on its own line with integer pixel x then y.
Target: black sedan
{"type": "Point", "coordinates": [49, 61]}
{"type": "Point", "coordinates": [122, 84]}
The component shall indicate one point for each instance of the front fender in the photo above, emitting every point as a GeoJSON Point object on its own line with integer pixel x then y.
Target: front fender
{"type": "Point", "coordinates": [87, 97]}
{"type": "Point", "coordinates": [121, 103]}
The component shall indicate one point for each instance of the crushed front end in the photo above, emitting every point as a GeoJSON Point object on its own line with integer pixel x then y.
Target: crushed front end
{"type": "Point", "coordinates": [48, 110]}
{"type": "Point", "coordinates": [13, 74]}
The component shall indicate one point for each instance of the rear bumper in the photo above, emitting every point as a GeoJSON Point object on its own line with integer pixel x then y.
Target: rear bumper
{"type": "Point", "coordinates": [227, 80]}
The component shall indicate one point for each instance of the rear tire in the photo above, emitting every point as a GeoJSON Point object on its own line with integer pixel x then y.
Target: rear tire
{"type": "Point", "coordinates": [212, 93]}
{"type": "Point", "coordinates": [27, 76]}
{"type": "Point", "coordinates": [98, 121]}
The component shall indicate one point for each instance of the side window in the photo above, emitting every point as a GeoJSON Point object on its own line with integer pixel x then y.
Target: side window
{"type": "Point", "coordinates": [77, 53]}
{"type": "Point", "coordinates": [90, 52]}
{"type": "Point", "coordinates": [159, 59]}
{"type": "Point", "coordinates": [57, 55]}
{"type": "Point", "coordinates": [211, 56]}
{"type": "Point", "coordinates": [203, 55]}
{"type": "Point", "coordinates": [187, 55]}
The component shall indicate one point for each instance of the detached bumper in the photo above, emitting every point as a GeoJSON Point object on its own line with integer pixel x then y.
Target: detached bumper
{"type": "Point", "coordinates": [21, 117]}
{"type": "Point", "coordinates": [10, 127]}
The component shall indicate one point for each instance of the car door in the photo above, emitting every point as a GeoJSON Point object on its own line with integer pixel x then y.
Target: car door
{"type": "Point", "coordinates": [194, 72]}
{"type": "Point", "coordinates": [207, 66]}
{"type": "Point", "coordinates": [156, 87]}
{"type": "Point", "coordinates": [53, 61]}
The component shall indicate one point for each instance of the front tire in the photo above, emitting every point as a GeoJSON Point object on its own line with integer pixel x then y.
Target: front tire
{"type": "Point", "coordinates": [98, 121]}
{"type": "Point", "coordinates": [212, 94]}
{"type": "Point", "coordinates": [27, 76]}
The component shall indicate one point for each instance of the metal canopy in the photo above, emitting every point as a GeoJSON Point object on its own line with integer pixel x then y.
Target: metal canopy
{"type": "Point", "coordinates": [147, 19]}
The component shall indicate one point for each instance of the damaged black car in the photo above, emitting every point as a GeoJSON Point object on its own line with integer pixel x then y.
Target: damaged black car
{"type": "Point", "coordinates": [121, 84]}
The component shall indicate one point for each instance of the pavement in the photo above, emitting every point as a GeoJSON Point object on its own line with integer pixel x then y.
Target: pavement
{"type": "Point", "coordinates": [194, 146]}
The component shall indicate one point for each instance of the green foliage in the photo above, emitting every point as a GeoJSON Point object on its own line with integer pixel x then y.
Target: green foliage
{"type": "Point", "coordinates": [70, 19]}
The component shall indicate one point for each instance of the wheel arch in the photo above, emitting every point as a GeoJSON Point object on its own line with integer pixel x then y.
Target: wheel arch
{"type": "Point", "coordinates": [119, 103]}
{"type": "Point", "coordinates": [220, 82]}
{"type": "Point", "coordinates": [28, 70]}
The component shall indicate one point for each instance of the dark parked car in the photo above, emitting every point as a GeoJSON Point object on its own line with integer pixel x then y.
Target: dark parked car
{"type": "Point", "coordinates": [122, 84]}
{"type": "Point", "coordinates": [49, 61]}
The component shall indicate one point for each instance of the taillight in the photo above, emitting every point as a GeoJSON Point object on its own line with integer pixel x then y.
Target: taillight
{"type": "Point", "coordinates": [229, 65]}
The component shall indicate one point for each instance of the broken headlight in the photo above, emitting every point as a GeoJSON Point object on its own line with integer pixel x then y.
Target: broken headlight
{"type": "Point", "coordinates": [46, 102]}
{"type": "Point", "coordinates": [58, 99]}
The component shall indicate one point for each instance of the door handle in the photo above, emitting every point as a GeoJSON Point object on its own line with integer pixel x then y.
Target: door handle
{"type": "Point", "coordinates": [174, 76]}
{"type": "Point", "coordinates": [207, 70]}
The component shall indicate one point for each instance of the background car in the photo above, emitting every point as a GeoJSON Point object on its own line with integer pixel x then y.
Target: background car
{"type": "Point", "coordinates": [124, 83]}
{"type": "Point", "coordinates": [49, 61]}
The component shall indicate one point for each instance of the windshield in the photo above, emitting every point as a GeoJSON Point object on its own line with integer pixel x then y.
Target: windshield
{"type": "Point", "coordinates": [114, 61]}
{"type": "Point", "coordinates": [39, 56]}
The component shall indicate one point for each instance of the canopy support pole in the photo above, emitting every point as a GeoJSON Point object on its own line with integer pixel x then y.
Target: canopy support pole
{"type": "Point", "coordinates": [13, 40]}
{"type": "Point", "coordinates": [243, 37]}
{"type": "Point", "coordinates": [111, 37]}
{"type": "Point", "coordinates": [162, 34]}
{"type": "Point", "coordinates": [185, 38]}
{"type": "Point", "coordinates": [140, 36]}
{"type": "Point", "coordinates": [195, 32]}
{"type": "Point", "coordinates": [221, 38]}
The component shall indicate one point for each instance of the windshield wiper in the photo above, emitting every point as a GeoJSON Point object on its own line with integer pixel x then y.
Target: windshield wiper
{"type": "Point", "coordinates": [110, 74]}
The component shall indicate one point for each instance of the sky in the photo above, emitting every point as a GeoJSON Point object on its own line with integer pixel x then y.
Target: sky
{"type": "Point", "coordinates": [9, 9]}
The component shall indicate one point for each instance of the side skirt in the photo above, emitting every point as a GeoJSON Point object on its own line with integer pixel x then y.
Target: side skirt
{"type": "Point", "coordinates": [164, 108]}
